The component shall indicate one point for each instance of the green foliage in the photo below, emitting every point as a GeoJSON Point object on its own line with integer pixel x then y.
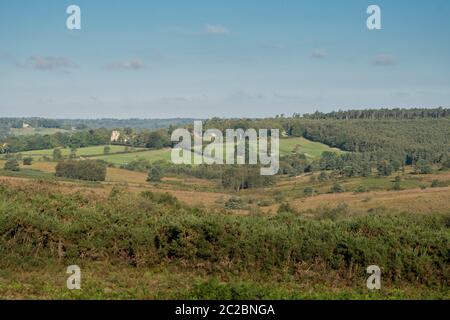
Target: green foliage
{"type": "Point", "coordinates": [423, 167]}
{"type": "Point", "coordinates": [73, 153]}
{"type": "Point", "coordinates": [57, 155]}
{"type": "Point", "coordinates": [89, 170]}
{"type": "Point", "coordinates": [361, 189]}
{"type": "Point", "coordinates": [140, 164]}
{"type": "Point", "coordinates": [397, 186]}
{"type": "Point", "coordinates": [382, 114]}
{"type": "Point", "coordinates": [285, 207]}
{"type": "Point", "coordinates": [384, 168]}
{"type": "Point", "coordinates": [348, 164]}
{"type": "Point", "coordinates": [337, 188]}
{"type": "Point", "coordinates": [446, 163]}
{"type": "Point", "coordinates": [234, 203]}
{"type": "Point", "coordinates": [294, 164]}
{"type": "Point", "coordinates": [157, 139]}
{"type": "Point", "coordinates": [265, 203]}
{"type": "Point", "coordinates": [11, 165]}
{"type": "Point", "coordinates": [440, 184]}
{"type": "Point", "coordinates": [106, 150]}
{"type": "Point", "coordinates": [244, 177]}
{"type": "Point", "coordinates": [334, 214]}
{"type": "Point", "coordinates": [309, 191]}
{"type": "Point", "coordinates": [323, 176]}
{"type": "Point", "coordinates": [406, 141]}
{"type": "Point", "coordinates": [155, 174]}
{"type": "Point", "coordinates": [27, 161]}
{"type": "Point", "coordinates": [154, 229]}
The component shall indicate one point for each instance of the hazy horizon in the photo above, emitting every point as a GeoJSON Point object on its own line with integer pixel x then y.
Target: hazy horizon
{"type": "Point", "coordinates": [204, 118]}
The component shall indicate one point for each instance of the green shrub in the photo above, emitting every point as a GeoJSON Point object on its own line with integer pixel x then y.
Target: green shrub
{"type": "Point", "coordinates": [27, 161]}
{"type": "Point", "coordinates": [285, 207]}
{"type": "Point", "coordinates": [12, 165]}
{"type": "Point", "coordinates": [265, 203]}
{"type": "Point", "coordinates": [89, 170]}
{"type": "Point", "coordinates": [423, 167]}
{"type": "Point", "coordinates": [151, 229]}
{"type": "Point", "coordinates": [309, 191]}
{"type": "Point", "coordinates": [337, 188]}
{"type": "Point", "coordinates": [234, 203]}
{"type": "Point", "coordinates": [361, 189]}
{"type": "Point", "coordinates": [397, 186]}
{"type": "Point", "coordinates": [57, 154]}
{"type": "Point", "coordinates": [155, 174]}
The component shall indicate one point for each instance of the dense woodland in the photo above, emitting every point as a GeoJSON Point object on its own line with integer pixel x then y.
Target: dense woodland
{"type": "Point", "coordinates": [377, 114]}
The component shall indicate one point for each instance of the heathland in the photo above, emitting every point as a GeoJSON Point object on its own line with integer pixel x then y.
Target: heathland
{"type": "Point", "coordinates": [355, 189]}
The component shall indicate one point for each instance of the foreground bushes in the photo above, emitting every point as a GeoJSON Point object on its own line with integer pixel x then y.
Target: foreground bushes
{"type": "Point", "coordinates": [151, 229]}
{"type": "Point", "coordinates": [89, 170]}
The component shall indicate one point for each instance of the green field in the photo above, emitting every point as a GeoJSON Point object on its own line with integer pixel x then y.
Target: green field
{"type": "Point", "coordinates": [123, 158]}
{"type": "Point", "coordinates": [301, 145]}
{"type": "Point", "coordinates": [118, 156]}
{"type": "Point", "coordinates": [81, 152]}
{"type": "Point", "coordinates": [287, 146]}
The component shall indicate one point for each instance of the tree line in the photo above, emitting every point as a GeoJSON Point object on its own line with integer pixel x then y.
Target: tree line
{"type": "Point", "coordinates": [378, 114]}
{"type": "Point", "coordinates": [140, 139]}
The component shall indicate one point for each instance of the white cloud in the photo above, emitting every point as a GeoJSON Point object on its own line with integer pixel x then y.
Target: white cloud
{"type": "Point", "coordinates": [384, 60]}
{"type": "Point", "coordinates": [48, 63]}
{"type": "Point", "coordinates": [135, 64]}
{"type": "Point", "coordinates": [216, 30]}
{"type": "Point", "coordinates": [208, 30]}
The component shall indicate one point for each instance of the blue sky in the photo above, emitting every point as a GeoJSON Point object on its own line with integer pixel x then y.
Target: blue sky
{"type": "Point", "coordinates": [247, 58]}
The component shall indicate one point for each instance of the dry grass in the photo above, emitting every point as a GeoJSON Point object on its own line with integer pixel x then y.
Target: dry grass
{"type": "Point", "coordinates": [194, 191]}
{"type": "Point", "coordinates": [413, 201]}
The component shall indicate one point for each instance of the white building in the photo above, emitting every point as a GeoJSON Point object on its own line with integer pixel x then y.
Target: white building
{"type": "Point", "coordinates": [115, 136]}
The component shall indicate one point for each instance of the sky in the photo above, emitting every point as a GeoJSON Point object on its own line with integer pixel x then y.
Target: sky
{"type": "Point", "coordinates": [233, 58]}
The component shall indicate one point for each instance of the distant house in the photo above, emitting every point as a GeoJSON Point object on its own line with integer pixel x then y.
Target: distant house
{"type": "Point", "coordinates": [4, 148]}
{"type": "Point", "coordinates": [115, 136]}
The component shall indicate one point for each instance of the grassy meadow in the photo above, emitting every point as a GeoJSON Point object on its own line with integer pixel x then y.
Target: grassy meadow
{"type": "Point", "coordinates": [288, 145]}
{"type": "Point", "coordinates": [80, 152]}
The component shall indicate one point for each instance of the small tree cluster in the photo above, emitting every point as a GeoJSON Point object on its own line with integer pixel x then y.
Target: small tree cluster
{"type": "Point", "coordinates": [89, 170]}
{"type": "Point", "coordinates": [27, 161]}
{"type": "Point", "coordinates": [12, 165]}
{"type": "Point", "coordinates": [155, 174]}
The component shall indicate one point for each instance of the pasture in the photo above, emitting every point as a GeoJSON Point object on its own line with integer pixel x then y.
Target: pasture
{"type": "Point", "coordinates": [287, 146]}
{"type": "Point", "coordinates": [124, 158]}
{"type": "Point", "coordinates": [81, 152]}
